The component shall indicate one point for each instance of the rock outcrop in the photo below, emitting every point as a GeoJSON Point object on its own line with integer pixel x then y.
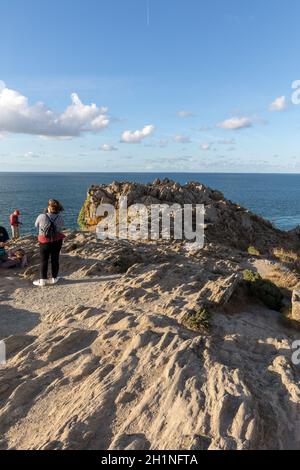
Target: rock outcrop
{"type": "Point", "coordinates": [225, 222]}
{"type": "Point", "coordinates": [153, 345]}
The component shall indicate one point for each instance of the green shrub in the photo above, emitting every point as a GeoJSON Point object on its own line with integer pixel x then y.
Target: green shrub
{"type": "Point", "coordinates": [197, 320]}
{"type": "Point", "coordinates": [264, 290]}
{"type": "Point", "coordinates": [253, 251]}
{"type": "Point", "coordinates": [251, 276]}
{"type": "Point", "coordinates": [81, 218]}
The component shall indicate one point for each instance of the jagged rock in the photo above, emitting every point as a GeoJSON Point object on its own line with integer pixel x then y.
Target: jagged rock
{"type": "Point", "coordinates": [225, 221]}
{"type": "Point", "coordinates": [226, 289]}
{"type": "Point", "coordinates": [296, 305]}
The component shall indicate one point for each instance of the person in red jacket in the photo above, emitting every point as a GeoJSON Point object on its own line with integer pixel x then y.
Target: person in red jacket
{"type": "Point", "coordinates": [15, 224]}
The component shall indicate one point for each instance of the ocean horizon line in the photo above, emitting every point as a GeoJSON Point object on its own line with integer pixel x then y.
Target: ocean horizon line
{"type": "Point", "coordinates": [146, 173]}
{"type": "Point", "coordinates": [273, 196]}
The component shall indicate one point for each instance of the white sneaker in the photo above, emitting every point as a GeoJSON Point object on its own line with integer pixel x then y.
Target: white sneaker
{"type": "Point", "coordinates": [54, 280]}
{"type": "Point", "coordinates": [40, 283]}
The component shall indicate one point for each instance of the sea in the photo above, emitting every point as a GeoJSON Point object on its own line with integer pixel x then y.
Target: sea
{"type": "Point", "coordinates": [275, 197]}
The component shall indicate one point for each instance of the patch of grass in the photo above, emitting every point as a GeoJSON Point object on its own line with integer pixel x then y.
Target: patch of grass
{"type": "Point", "coordinates": [285, 256]}
{"type": "Point", "coordinates": [197, 320]}
{"type": "Point", "coordinates": [251, 276]}
{"type": "Point", "coordinates": [288, 280]}
{"type": "Point", "coordinates": [289, 258]}
{"type": "Point", "coordinates": [253, 251]}
{"type": "Point", "coordinates": [82, 214]}
{"type": "Point", "coordinates": [264, 290]}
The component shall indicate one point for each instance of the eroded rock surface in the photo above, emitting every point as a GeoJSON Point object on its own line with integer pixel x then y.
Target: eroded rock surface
{"type": "Point", "coordinates": [104, 360]}
{"type": "Point", "coordinates": [225, 222]}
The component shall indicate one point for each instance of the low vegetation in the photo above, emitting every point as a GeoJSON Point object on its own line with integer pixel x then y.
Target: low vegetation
{"type": "Point", "coordinates": [253, 251]}
{"type": "Point", "coordinates": [264, 290]}
{"type": "Point", "coordinates": [289, 258]}
{"type": "Point", "coordinates": [82, 214]}
{"type": "Point", "coordinates": [197, 320]}
{"type": "Point", "coordinates": [285, 256]}
{"type": "Point", "coordinates": [288, 280]}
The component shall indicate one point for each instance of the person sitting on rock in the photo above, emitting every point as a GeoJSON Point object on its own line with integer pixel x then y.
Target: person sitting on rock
{"type": "Point", "coordinates": [3, 235]}
{"type": "Point", "coordinates": [14, 259]}
{"type": "Point", "coordinates": [3, 240]}
{"type": "Point", "coordinates": [3, 253]}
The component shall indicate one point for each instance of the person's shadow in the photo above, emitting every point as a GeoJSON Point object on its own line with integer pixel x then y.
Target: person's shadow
{"type": "Point", "coordinates": [15, 321]}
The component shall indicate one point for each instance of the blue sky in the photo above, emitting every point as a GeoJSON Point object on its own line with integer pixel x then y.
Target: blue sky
{"type": "Point", "coordinates": [149, 85]}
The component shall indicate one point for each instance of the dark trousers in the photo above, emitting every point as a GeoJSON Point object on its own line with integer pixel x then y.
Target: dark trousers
{"type": "Point", "coordinates": [50, 250]}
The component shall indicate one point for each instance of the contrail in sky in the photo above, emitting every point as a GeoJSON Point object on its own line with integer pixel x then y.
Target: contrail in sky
{"type": "Point", "coordinates": [148, 12]}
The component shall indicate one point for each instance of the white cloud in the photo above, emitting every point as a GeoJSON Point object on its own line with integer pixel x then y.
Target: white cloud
{"type": "Point", "coordinates": [185, 114]}
{"type": "Point", "coordinates": [135, 137]}
{"type": "Point", "coordinates": [19, 117]}
{"type": "Point", "coordinates": [31, 155]}
{"type": "Point", "coordinates": [108, 148]}
{"type": "Point", "coordinates": [236, 123]}
{"type": "Point", "coordinates": [206, 146]}
{"type": "Point", "coordinates": [182, 139]}
{"type": "Point", "coordinates": [279, 104]}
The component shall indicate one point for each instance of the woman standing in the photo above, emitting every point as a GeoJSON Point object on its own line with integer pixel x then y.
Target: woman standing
{"type": "Point", "coordinates": [50, 226]}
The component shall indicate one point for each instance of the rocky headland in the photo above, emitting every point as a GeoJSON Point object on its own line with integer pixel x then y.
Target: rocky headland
{"type": "Point", "coordinates": [155, 345]}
